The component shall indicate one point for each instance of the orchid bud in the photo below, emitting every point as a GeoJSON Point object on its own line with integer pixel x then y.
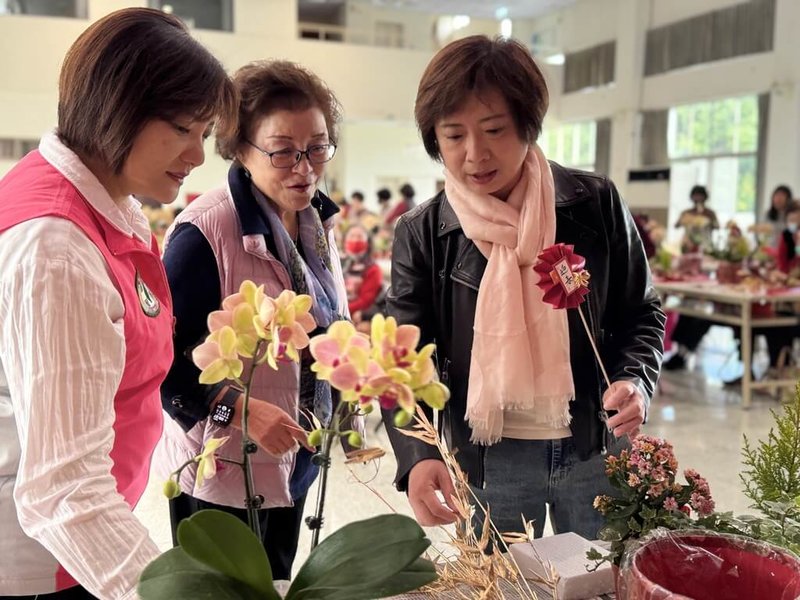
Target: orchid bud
{"type": "Point", "coordinates": [171, 489]}
{"type": "Point", "coordinates": [354, 439]}
{"type": "Point", "coordinates": [402, 418]}
{"type": "Point", "coordinates": [315, 438]}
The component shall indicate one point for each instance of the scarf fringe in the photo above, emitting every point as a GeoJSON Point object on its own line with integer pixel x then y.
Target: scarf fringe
{"type": "Point", "coordinates": [487, 429]}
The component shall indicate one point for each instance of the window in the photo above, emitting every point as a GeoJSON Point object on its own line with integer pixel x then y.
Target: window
{"type": "Point", "coordinates": [715, 144]}
{"type": "Point", "coordinates": [75, 9]}
{"type": "Point", "coordinates": [14, 149]}
{"type": "Point", "coordinates": [205, 14]}
{"type": "Point", "coordinates": [389, 35]}
{"type": "Point", "coordinates": [571, 144]}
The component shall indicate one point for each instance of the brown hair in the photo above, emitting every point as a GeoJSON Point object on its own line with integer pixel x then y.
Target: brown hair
{"type": "Point", "coordinates": [132, 66]}
{"type": "Point", "coordinates": [267, 86]}
{"type": "Point", "coordinates": [476, 64]}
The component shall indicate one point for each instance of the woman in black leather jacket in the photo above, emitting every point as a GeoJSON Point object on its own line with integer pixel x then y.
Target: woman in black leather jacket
{"type": "Point", "coordinates": [523, 419]}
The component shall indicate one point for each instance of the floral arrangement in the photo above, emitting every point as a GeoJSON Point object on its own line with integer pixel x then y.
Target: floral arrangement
{"type": "Point", "coordinates": [648, 496]}
{"type": "Point", "coordinates": [216, 550]}
{"type": "Point", "coordinates": [735, 249]}
{"type": "Point", "coordinates": [697, 232]}
{"type": "Point", "coordinates": [384, 366]}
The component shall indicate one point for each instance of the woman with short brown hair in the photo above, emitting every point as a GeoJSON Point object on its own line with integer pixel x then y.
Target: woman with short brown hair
{"type": "Point", "coordinates": [524, 418]}
{"type": "Point", "coordinates": [85, 310]}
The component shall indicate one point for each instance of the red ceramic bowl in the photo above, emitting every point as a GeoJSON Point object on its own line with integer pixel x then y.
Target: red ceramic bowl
{"type": "Point", "coordinates": [699, 566]}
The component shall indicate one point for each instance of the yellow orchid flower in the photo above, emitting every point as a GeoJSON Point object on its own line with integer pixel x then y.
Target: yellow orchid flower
{"type": "Point", "coordinates": [207, 460]}
{"type": "Point", "coordinates": [217, 357]}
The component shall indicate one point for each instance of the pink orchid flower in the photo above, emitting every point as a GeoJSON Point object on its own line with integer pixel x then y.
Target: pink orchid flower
{"type": "Point", "coordinates": [285, 321]}
{"type": "Point", "coordinates": [217, 357]}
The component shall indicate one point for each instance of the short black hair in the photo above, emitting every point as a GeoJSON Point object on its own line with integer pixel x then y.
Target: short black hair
{"type": "Point", "coordinates": [699, 189]}
{"type": "Point", "coordinates": [384, 194]}
{"type": "Point", "coordinates": [358, 196]}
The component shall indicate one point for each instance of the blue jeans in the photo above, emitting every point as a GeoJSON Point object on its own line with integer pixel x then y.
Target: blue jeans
{"type": "Point", "coordinates": [523, 476]}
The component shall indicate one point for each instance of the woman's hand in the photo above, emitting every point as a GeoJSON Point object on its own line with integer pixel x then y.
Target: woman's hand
{"type": "Point", "coordinates": [425, 479]}
{"type": "Point", "coordinates": [627, 400]}
{"type": "Point", "coordinates": [270, 427]}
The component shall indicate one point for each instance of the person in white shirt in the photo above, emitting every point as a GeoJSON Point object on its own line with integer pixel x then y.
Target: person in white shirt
{"type": "Point", "coordinates": [85, 309]}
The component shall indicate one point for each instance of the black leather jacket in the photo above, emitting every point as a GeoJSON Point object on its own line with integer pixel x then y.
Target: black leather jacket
{"type": "Point", "coordinates": [436, 272]}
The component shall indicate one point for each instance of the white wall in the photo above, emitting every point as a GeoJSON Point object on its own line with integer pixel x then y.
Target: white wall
{"type": "Point", "coordinates": [371, 83]}
{"type": "Point", "coordinates": [378, 85]}
{"type": "Point", "coordinates": [590, 22]}
{"type": "Point", "coordinates": [375, 150]}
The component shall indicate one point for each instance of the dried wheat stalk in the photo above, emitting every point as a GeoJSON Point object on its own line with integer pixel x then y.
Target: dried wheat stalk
{"type": "Point", "coordinates": [476, 572]}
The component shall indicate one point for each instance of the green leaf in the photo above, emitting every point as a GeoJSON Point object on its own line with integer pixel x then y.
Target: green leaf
{"type": "Point", "coordinates": [227, 545]}
{"type": "Point", "coordinates": [613, 532]}
{"type": "Point", "coordinates": [174, 574]}
{"type": "Point", "coordinates": [593, 554]}
{"type": "Point", "coordinates": [363, 556]}
{"type": "Point", "coordinates": [625, 511]}
{"type": "Point", "coordinates": [419, 573]}
{"type": "Point", "coordinates": [633, 525]}
{"type": "Point", "coordinates": [648, 512]}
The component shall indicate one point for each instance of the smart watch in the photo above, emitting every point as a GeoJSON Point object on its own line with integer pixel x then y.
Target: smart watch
{"type": "Point", "coordinates": [223, 412]}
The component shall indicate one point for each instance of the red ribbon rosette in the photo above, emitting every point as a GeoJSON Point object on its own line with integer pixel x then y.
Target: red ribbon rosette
{"type": "Point", "coordinates": [562, 276]}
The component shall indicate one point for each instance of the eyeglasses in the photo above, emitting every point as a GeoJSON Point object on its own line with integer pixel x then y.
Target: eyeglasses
{"type": "Point", "coordinates": [289, 157]}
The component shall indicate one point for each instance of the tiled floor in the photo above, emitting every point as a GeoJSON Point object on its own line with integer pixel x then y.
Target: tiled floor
{"type": "Point", "coordinates": [702, 419]}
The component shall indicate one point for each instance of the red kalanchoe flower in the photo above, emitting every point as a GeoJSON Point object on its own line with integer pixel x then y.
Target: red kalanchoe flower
{"type": "Point", "coordinates": [562, 276]}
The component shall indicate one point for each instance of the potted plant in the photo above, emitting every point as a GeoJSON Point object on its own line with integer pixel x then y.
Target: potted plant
{"type": "Point", "coordinates": [647, 496]}
{"type": "Point", "coordinates": [220, 557]}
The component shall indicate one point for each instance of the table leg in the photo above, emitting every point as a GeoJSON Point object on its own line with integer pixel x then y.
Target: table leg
{"type": "Point", "coordinates": [747, 354]}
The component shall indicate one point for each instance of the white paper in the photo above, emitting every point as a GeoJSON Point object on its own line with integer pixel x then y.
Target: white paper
{"type": "Point", "coordinates": [566, 553]}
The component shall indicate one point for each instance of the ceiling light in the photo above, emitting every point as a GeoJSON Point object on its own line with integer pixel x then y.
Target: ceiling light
{"type": "Point", "coordinates": [501, 13]}
{"type": "Point", "coordinates": [555, 59]}
{"type": "Point", "coordinates": [460, 21]}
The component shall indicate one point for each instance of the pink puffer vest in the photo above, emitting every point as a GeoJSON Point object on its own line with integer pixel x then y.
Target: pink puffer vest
{"type": "Point", "coordinates": [238, 257]}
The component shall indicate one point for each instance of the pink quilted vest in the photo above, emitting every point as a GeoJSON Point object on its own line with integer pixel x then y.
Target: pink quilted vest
{"type": "Point", "coordinates": [238, 258]}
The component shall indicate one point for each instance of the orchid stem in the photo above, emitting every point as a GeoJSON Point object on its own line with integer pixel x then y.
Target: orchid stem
{"type": "Point", "coordinates": [323, 460]}
{"type": "Point", "coordinates": [252, 503]}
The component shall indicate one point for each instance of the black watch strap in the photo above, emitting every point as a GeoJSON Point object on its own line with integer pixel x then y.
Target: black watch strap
{"type": "Point", "coordinates": [224, 410]}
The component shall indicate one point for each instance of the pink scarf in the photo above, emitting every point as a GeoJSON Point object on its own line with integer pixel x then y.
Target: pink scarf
{"type": "Point", "coordinates": [520, 352]}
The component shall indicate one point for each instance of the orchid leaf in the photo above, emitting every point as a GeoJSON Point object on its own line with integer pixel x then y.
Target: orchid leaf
{"type": "Point", "coordinates": [224, 543]}
{"type": "Point", "coordinates": [361, 558]}
{"type": "Point", "coordinates": [419, 573]}
{"type": "Point", "coordinates": [175, 574]}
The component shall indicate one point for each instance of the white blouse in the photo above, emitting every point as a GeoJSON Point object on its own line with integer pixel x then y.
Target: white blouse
{"type": "Point", "coordinates": [62, 347]}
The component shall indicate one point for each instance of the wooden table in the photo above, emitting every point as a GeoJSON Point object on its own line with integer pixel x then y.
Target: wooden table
{"type": "Point", "coordinates": [743, 301]}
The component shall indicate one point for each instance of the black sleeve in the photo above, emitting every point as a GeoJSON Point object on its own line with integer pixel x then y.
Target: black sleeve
{"type": "Point", "coordinates": [194, 282]}
{"type": "Point", "coordinates": [637, 321]}
{"type": "Point", "coordinates": [409, 301]}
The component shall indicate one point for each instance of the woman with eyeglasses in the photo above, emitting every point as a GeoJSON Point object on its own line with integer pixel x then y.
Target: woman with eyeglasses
{"type": "Point", "coordinates": [269, 224]}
